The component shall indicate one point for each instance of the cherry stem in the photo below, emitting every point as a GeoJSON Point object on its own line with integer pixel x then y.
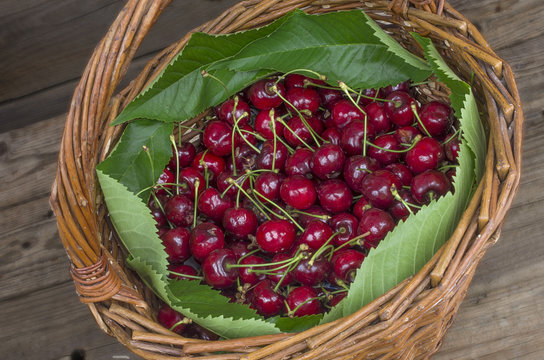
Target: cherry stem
{"type": "Point", "coordinates": [240, 188]}
{"type": "Point", "coordinates": [445, 167]}
{"type": "Point", "coordinates": [271, 116]}
{"type": "Point", "coordinates": [232, 135]}
{"type": "Point", "coordinates": [322, 217]}
{"type": "Point", "coordinates": [146, 150]}
{"type": "Point", "coordinates": [346, 90]}
{"type": "Point", "coordinates": [197, 185]}
{"type": "Point", "coordinates": [296, 135]}
{"type": "Point", "coordinates": [291, 313]}
{"type": "Point", "coordinates": [325, 246]}
{"type": "Point", "coordinates": [185, 321]}
{"type": "Point", "coordinates": [246, 255]}
{"type": "Point", "coordinates": [260, 265]}
{"type": "Point", "coordinates": [281, 209]}
{"type": "Point", "coordinates": [204, 74]}
{"type": "Point", "coordinates": [319, 76]}
{"type": "Point", "coordinates": [350, 242]}
{"type": "Point", "coordinates": [186, 275]}
{"type": "Point", "coordinates": [173, 141]}
{"type": "Point", "coordinates": [162, 209]}
{"type": "Point", "coordinates": [414, 110]}
{"type": "Point", "coordinates": [416, 140]}
{"type": "Point", "coordinates": [451, 137]}
{"type": "Point", "coordinates": [287, 271]}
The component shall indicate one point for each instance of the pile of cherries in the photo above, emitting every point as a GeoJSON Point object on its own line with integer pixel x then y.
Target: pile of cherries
{"type": "Point", "coordinates": [293, 182]}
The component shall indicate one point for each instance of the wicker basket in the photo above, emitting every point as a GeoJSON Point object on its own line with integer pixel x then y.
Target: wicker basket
{"type": "Point", "coordinates": [409, 321]}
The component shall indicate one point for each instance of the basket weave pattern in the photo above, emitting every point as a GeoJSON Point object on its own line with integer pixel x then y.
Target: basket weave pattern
{"type": "Point", "coordinates": [409, 321]}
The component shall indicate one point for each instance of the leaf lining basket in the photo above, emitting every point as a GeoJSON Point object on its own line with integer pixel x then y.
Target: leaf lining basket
{"type": "Point", "coordinates": [407, 322]}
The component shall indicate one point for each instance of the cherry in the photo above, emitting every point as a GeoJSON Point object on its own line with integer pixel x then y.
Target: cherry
{"type": "Point", "coordinates": [435, 118]}
{"type": "Point", "coordinates": [239, 248]}
{"type": "Point", "coordinates": [266, 158]}
{"type": "Point", "coordinates": [206, 160]}
{"type": "Point", "coordinates": [425, 155]}
{"type": "Point", "coordinates": [157, 213]}
{"type": "Point", "coordinates": [377, 223]}
{"type": "Point", "coordinates": [305, 219]}
{"type": "Point", "coordinates": [268, 184]}
{"type": "Point", "coordinates": [227, 114]}
{"type": "Point", "coordinates": [167, 177]}
{"type": "Point", "coordinates": [223, 183]}
{"type": "Point", "coordinates": [403, 86]}
{"type": "Point", "coordinates": [428, 186]}
{"type": "Point", "coordinates": [406, 134]}
{"type": "Point", "coordinates": [360, 207]}
{"type": "Point", "coordinates": [262, 94]}
{"type": "Point", "coordinates": [275, 235]}
{"type": "Point", "coordinates": [329, 97]}
{"type": "Point", "coordinates": [345, 263]}
{"type": "Point", "coordinates": [176, 244]}
{"type": "Point", "coordinates": [169, 317]}
{"type": "Point", "coordinates": [294, 80]}
{"type": "Point", "coordinates": [298, 192]}
{"type": "Point", "coordinates": [304, 300]}
{"type": "Point", "coordinates": [240, 222]}
{"type": "Point", "coordinates": [198, 332]}
{"type": "Point", "coordinates": [185, 154]}
{"type": "Point", "coordinates": [370, 93]}
{"type": "Point", "coordinates": [216, 270]}
{"type": "Point", "coordinates": [277, 274]}
{"type": "Point", "coordinates": [353, 137]}
{"type": "Point", "coordinates": [328, 161]}
{"type": "Point", "coordinates": [346, 224]}
{"type": "Point", "coordinates": [244, 158]}
{"type": "Point", "coordinates": [246, 132]}
{"type": "Point", "coordinates": [398, 108]}
{"type": "Point", "coordinates": [299, 162]}
{"type": "Point", "coordinates": [337, 298]}
{"type": "Point", "coordinates": [377, 117]}
{"type": "Point", "coordinates": [450, 174]}
{"type": "Point", "coordinates": [182, 269]}
{"type": "Point", "coordinates": [377, 188]}
{"type": "Point", "coordinates": [356, 169]}
{"type": "Point", "coordinates": [264, 126]}
{"type": "Point", "coordinates": [386, 142]}
{"type": "Point", "coordinates": [402, 172]}
{"type": "Point", "coordinates": [179, 210]}
{"type": "Point", "coordinates": [311, 271]}
{"type": "Point", "coordinates": [399, 209]}
{"type": "Point", "coordinates": [334, 195]}
{"type": "Point", "coordinates": [332, 135]}
{"type": "Point", "coordinates": [296, 130]}
{"type": "Point", "coordinates": [303, 99]}
{"type": "Point", "coordinates": [205, 238]}
{"type": "Point", "coordinates": [217, 137]}
{"type": "Point", "coordinates": [315, 234]}
{"type": "Point", "coordinates": [344, 112]}
{"type": "Point", "coordinates": [265, 300]}
{"type": "Point", "coordinates": [246, 273]}
{"type": "Point", "coordinates": [187, 182]}
{"type": "Point", "coordinates": [452, 148]}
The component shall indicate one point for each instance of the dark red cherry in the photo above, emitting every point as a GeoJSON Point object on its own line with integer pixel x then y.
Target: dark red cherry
{"type": "Point", "coordinates": [337, 298]}
{"type": "Point", "coordinates": [176, 244]}
{"type": "Point", "coordinates": [246, 273]}
{"type": "Point", "coordinates": [275, 235]}
{"type": "Point", "coordinates": [304, 300]}
{"type": "Point", "coordinates": [181, 269]}
{"type": "Point", "coordinates": [334, 195]}
{"type": "Point", "coordinates": [198, 332]}
{"type": "Point", "coordinates": [245, 158]}
{"type": "Point", "coordinates": [277, 273]}
{"type": "Point", "coordinates": [451, 148]}
{"type": "Point", "coordinates": [377, 188]}
{"type": "Point", "coordinates": [399, 209]}
{"type": "Point", "coordinates": [387, 151]}
{"type": "Point", "coordinates": [227, 113]}
{"type": "Point", "coordinates": [167, 177]}
{"type": "Point", "coordinates": [425, 155]}
{"type": "Point", "coordinates": [377, 117]}
{"type": "Point", "coordinates": [216, 270]}
{"type": "Point", "coordinates": [328, 161]}
{"type": "Point", "coordinates": [265, 126]}
{"type": "Point", "coordinates": [406, 134]}
{"type": "Point", "coordinates": [429, 185]}
{"type": "Point", "coordinates": [356, 169]}
{"type": "Point", "coordinates": [294, 80]}
{"type": "Point", "coordinates": [223, 183]}
{"type": "Point", "coordinates": [240, 222]}
{"type": "Point", "coordinates": [332, 135]}
{"type": "Point", "coordinates": [450, 174]}
{"type": "Point", "coordinates": [262, 94]}
{"type": "Point", "coordinates": [298, 192]}
{"type": "Point", "coordinates": [238, 247]}
{"type": "Point", "coordinates": [297, 130]}
{"type": "Point", "coordinates": [314, 212]}
{"type": "Point", "coordinates": [217, 137]}
{"type": "Point", "coordinates": [345, 263]}
{"type": "Point", "coordinates": [315, 235]}
{"type": "Point", "coordinates": [205, 238]}
{"type": "Point", "coordinates": [265, 159]}
{"type": "Point", "coordinates": [244, 135]}
{"type": "Point", "coordinates": [344, 113]}
{"type": "Point", "coordinates": [179, 210]}
{"type": "Point", "coordinates": [169, 317]}
{"type": "Point", "coordinates": [265, 300]}
{"type": "Point", "coordinates": [346, 224]}
{"type": "Point", "coordinates": [268, 184]}
{"type": "Point", "coordinates": [185, 155]}
{"type": "Point", "coordinates": [353, 137]}
{"type": "Point", "coordinates": [402, 172]}
{"type": "Point", "coordinates": [157, 213]}
{"type": "Point", "coordinates": [329, 97]}
{"type": "Point", "coordinates": [303, 99]}
{"type": "Point", "coordinates": [398, 108]}
{"type": "Point", "coordinates": [435, 118]}
{"type": "Point", "coordinates": [188, 178]}
{"type": "Point", "coordinates": [312, 272]}
{"type": "Point", "coordinates": [377, 223]}
{"type": "Point", "coordinates": [206, 160]}
{"type": "Point", "coordinates": [403, 86]}
{"type": "Point", "coordinates": [299, 162]}
{"type": "Point", "coordinates": [369, 95]}
{"type": "Point", "coordinates": [360, 207]}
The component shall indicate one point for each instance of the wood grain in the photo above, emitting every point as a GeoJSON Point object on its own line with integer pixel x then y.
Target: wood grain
{"type": "Point", "coordinates": [45, 45]}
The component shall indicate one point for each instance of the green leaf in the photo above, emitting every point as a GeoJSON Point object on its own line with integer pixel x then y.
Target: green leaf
{"type": "Point", "coordinates": [154, 279]}
{"type": "Point", "coordinates": [130, 165]}
{"type": "Point", "coordinates": [296, 324]}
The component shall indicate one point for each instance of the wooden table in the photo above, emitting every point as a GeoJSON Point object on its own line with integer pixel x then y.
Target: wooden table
{"type": "Point", "coordinates": [44, 48]}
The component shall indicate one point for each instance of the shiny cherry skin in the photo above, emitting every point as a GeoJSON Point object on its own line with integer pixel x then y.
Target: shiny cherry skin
{"type": "Point", "coordinates": [213, 163]}
{"type": "Point", "coordinates": [176, 244]}
{"type": "Point", "coordinates": [157, 213]}
{"type": "Point", "coordinates": [304, 300]}
{"type": "Point", "coordinates": [298, 192]}
{"type": "Point", "coordinates": [399, 210]}
{"type": "Point", "coordinates": [262, 95]}
{"type": "Point", "coordinates": [310, 215]}
{"type": "Point", "coordinates": [312, 273]}
{"type": "Point", "coordinates": [337, 298]}
{"type": "Point", "coordinates": [294, 80]}
{"type": "Point", "coordinates": [223, 183]}
{"type": "Point", "coordinates": [344, 113]}
{"type": "Point", "coordinates": [425, 155]}
{"type": "Point", "coordinates": [265, 159]}
{"type": "Point", "coordinates": [429, 185]}
{"type": "Point", "coordinates": [377, 223]}
{"type": "Point", "coordinates": [398, 108]}
{"type": "Point", "coordinates": [403, 86]}
{"type": "Point", "coordinates": [265, 300]}
{"type": "Point", "coordinates": [216, 270]}
{"type": "Point", "coordinates": [246, 274]}
{"type": "Point", "coordinates": [217, 138]}
{"type": "Point", "coordinates": [276, 235]}
{"type": "Point", "coordinates": [353, 137]}
{"type": "Point", "coordinates": [360, 206]}
{"type": "Point", "coordinates": [227, 113]}
{"type": "Point", "coordinates": [299, 162]}
{"type": "Point", "coordinates": [377, 188]}
{"type": "Point", "coordinates": [402, 172]}
{"type": "Point", "coordinates": [240, 222]}
{"type": "Point", "coordinates": [356, 168]}
{"type": "Point", "coordinates": [265, 125]}
{"type": "Point", "coordinates": [377, 117]}
{"type": "Point", "coordinates": [181, 269]}
{"type": "Point", "coordinates": [169, 317]}
{"type": "Point", "coordinates": [435, 118]}
{"type": "Point", "coordinates": [239, 248]}
{"type": "Point", "coordinates": [244, 158]}
{"type": "Point", "coordinates": [185, 155]}
{"type": "Point", "coordinates": [346, 224]}
{"type": "Point", "coordinates": [167, 177]}
{"type": "Point", "coordinates": [315, 235]}
{"type": "Point", "coordinates": [328, 161]}
{"type": "Point", "coordinates": [332, 135]}
{"type": "Point", "coordinates": [406, 135]}
{"type": "Point", "coordinates": [187, 182]}
{"type": "Point", "coordinates": [388, 153]}
{"type": "Point", "coordinates": [303, 99]}
{"type": "Point", "coordinates": [279, 274]}
{"type": "Point", "coordinates": [334, 195]}
{"type": "Point", "coordinates": [244, 136]}
{"type": "Point", "coordinates": [369, 95]}
{"type": "Point", "coordinates": [452, 148]}
{"type": "Point", "coordinates": [205, 238]}
{"type": "Point", "coordinates": [179, 210]}
{"type": "Point", "coordinates": [345, 263]}
{"type": "Point", "coordinates": [296, 130]}
{"type": "Point", "coordinates": [329, 97]}
{"type": "Point", "coordinates": [268, 185]}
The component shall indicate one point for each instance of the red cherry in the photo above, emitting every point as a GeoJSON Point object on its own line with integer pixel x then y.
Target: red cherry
{"type": "Point", "coordinates": [277, 273]}
{"type": "Point", "coordinates": [385, 156]}
{"type": "Point", "coordinates": [303, 99]}
{"type": "Point", "coordinates": [227, 114]}
{"type": "Point", "coordinates": [346, 224]}
{"type": "Point", "coordinates": [205, 238]}
{"type": "Point", "coordinates": [452, 148]}
{"type": "Point", "coordinates": [182, 269]}
{"type": "Point", "coordinates": [334, 195]}
{"type": "Point", "coordinates": [217, 137]}
{"type": "Point", "coordinates": [213, 163]}
{"type": "Point", "coordinates": [268, 185]}
{"type": "Point", "coordinates": [179, 210]}
{"type": "Point", "coordinates": [346, 262]}
{"type": "Point", "coordinates": [328, 161]}
{"type": "Point", "coordinates": [311, 272]}
{"type": "Point", "coordinates": [223, 183]}
{"type": "Point", "coordinates": [265, 126]}
{"type": "Point", "coordinates": [176, 244]}
{"type": "Point", "coordinates": [303, 298]}
{"type": "Point", "coordinates": [337, 298]}
{"type": "Point", "coordinates": [398, 209]}
{"type": "Point", "coordinates": [211, 204]}
{"type": "Point", "coordinates": [167, 177]}
{"type": "Point", "coordinates": [403, 86]}
{"type": "Point", "coordinates": [265, 300]}
{"type": "Point", "coordinates": [360, 207]}
{"type": "Point", "coordinates": [298, 192]}
{"type": "Point", "coordinates": [406, 134]}
{"type": "Point", "coordinates": [377, 223]}
{"type": "Point", "coordinates": [187, 182]}
{"type": "Point", "coordinates": [315, 234]}
{"type": "Point", "coordinates": [344, 113]}
{"type": "Point", "coordinates": [185, 155]}
{"type": "Point", "coordinates": [377, 188]}
{"type": "Point", "coordinates": [246, 274]}
{"type": "Point", "coordinates": [377, 117]}
{"type": "Point", "coordinates": [240, 222]}
{"type": "Point", "coordinates": [245, 158]}
{"type": "Point", "coordinates": [275, 236]}
{"type": "Point", "coordinates": [262, 95]}
{"type": "Point", "coordinates": [402, 172]}
{"type": "Point", "coordinates": [429, 185]}
{"type": "Point", "coordinates": [169, 317]}
{"type": "Point", "coordinates": [246, 132]}
{"type": "Point", "coordinates": [267, 155]}
{"type": "Point", "coordinates": [299, 162]}
{"type": "Point", "coordinates": [398, 108]}
{"type": "Point", "coordinates": [305, 219]}
{"type": "Point", "coordinates": [329, 97]}
{"type": "Point", "coordinates": [353, 136]}
{"type": "Point", "coordinates": [356, 169]}
{"type": "Point", "coordinates": [239, 248]}
{"type": "Point", "coordinates": [332, 135]}
{"type": "Point", "coordinates": [425, 155]}
{"type": "Point", "coordinates": [435, 118]}
{"type": "Point", "coordinates": [216, 270]}
{"type": "Point", "coordinates": [296, 130]}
